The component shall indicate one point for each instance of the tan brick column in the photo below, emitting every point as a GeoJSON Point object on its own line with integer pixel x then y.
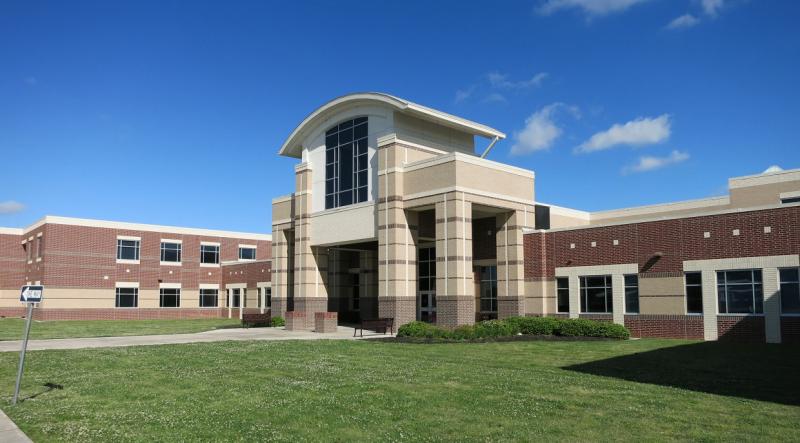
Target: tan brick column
{"type": "Point", "coordinates": [455, 286]}
{"type": "Point", "coordinates": [280, 270]}
{"type": "Point", "coordinates": [510, 265]}
{"type": "Point", "coordinates": [310, 264]}
{"type": "Point", "coordinates": [368, 279]}
{"type": "Point", "coordinates": [397, 240]}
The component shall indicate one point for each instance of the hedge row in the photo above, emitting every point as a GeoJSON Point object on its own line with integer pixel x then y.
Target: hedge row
{"type": "Point", "coordinates": [573, 327]}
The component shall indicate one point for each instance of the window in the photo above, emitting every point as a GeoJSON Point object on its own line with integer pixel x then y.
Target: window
{"type": "Point", "coordinates": [740, 292]}
{"type": "Point", "coordinates": [246, 253]}
{"type": "Point", "coordinates": [170, 252]}
{"type": "Point", "coordinates": [28, 250]}
{"type": "Point", "coordinates": [596, 294]}
{"type": "Point", "coordinates": [562, 294]}
{"type": "Point", "coordinates": [346, 163]}
{"type": "Point", "coordinates": [268, 297]}
{"type": "Point", "coordinates": [694, 293]}
{"type": "Point", "coordinates": [170, 298]}
{"type": "Point", "coordinates": [790, 291]}
{"type": "Point", "coordinates": [127, 297]}
{"type": "Point", "coordinates": [39, 246]}
{"type": "Point", "coordinates": [209, 298]}
{"type": "Point", "coordinates": [209, 254]}
{"type": "Point", "coordinates": [234, 297]}
{"type": "Point", "coordinates": [488, 276]}
{"type": "Point", "coordinates": [632, 294]}
{"type": "Point", "coordinates": [356, 285]}
{"type": "Point", "coordinates": [127, 249]}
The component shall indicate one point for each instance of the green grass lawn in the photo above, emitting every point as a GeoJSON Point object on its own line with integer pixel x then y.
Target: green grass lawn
{"type": "Point", "coordinates": [13, 328]}
{"type": "Point", "coordinates": [363, 391]}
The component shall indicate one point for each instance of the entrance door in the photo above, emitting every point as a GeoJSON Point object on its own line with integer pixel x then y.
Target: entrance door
{"type": "Point", "coordinates": [426, 279]}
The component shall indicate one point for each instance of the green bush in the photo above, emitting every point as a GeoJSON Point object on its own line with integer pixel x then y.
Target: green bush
{"type": "Point", "coordinates": [278, 321]}
{"type": "Point", "coordinates": [516, 325]}
{"type": "Point", "coordinates": [579, 327]}
{"type": "Point", "coordinates": [495, 328]}
{"type": "Point", "coordinates": [536, 325]}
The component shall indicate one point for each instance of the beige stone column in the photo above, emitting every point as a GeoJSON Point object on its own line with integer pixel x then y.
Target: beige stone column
{"type": "Point", "coordinates": [455, 287]}
{"type": "Point", "coordinates": [772, 305]}
{"type": "Point", "coordinates": [310, 264]}
{"type": "Point", "coordinates": [618, 298]}
{"type": "Point", "coordinates": [574, 296]}
{"type": "Point", "coordinates": [280, 270]}
{"type": "Point", "coordinates": [510, 265]}
{"type": "Point", "coordinates": [397, 240]}
{"type": "Point", "coordinates": [709, 282]}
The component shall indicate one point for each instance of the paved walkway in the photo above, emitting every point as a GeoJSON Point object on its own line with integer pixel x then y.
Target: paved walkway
{"type": "Point", "coordinates": [237, 334]}
{"type": "Point", "coordinates": [9, 432]}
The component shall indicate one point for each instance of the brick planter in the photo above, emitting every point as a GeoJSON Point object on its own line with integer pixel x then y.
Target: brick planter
{"type": "Point", "coordinates": [296, 321]}
{"type": "Point", "coordinates": [325, 322]}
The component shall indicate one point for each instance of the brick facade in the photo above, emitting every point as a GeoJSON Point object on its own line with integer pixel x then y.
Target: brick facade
{"type": "Point", "coordinates": [665, 326]}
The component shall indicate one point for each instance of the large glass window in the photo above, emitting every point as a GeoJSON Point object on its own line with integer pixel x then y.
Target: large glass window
{"type": "Point", "coordinates": [346, 163]}
{"type": "Point", "coordinates": [127, 297]}
{"type": "Point", "coordinates": [694, 293]}
{"type": "Point", "coordinates": [209, 298]}
{"type": "Point", "coordinates": [209, 254]}
{"type": "Point", "coordinates": [234, 297]}
{"type": "Point", "coordinates": [488, 276]}
{"type": "Point", "coordinates": [596, 294]}
{"type": "Point", "coordinates": [632, 294]}
{"type": "Point", "coordinates": [790, 291]}
{"type": "Point", "coordinates": [127, 249]}
{"type": "Point", "coordinates": [170, 298]}
{"type": "Point", "coordinates": [562, 294]}
{"type": "Point", "coordinates": [170, 252]}
{"type": "Point", "coordinates": [39, 246]}
{"type": "Point", "coordinates": [740, 292]}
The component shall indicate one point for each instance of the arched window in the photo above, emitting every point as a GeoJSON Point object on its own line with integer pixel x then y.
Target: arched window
{"type": "Point", "coordinates": [346, 163]}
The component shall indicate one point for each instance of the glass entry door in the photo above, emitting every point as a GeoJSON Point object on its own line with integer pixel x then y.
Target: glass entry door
{"type": "Point", "coordinates": [426, 280]}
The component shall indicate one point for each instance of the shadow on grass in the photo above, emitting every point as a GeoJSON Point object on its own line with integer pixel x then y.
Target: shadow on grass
{"type": "Point", "coordinates": [48, 387]}
{"type": "Point", "coordinates": [752, 371]}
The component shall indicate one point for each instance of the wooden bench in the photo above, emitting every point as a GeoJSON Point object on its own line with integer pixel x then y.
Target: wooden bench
{"type": "Point", "coordinates": [252, 320]}
{"type": "Point", "coordinates": [375, 324]}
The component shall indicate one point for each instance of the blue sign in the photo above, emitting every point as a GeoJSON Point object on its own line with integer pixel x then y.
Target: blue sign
{"type": "Point", "coordinates": [31, 294]}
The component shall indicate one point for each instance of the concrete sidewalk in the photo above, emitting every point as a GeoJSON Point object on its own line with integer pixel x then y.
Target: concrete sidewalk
{"type": "Point", "coordinates": [9, 432]}
{"type": "Point", "coordinates": [238, 334]}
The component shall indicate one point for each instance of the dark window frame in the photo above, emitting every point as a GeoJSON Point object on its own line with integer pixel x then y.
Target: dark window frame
{"type": "Point", "coordinates": [214, 252]}
{"type": "Point", "coordinates": [693, 292]}
{"type": "Point", "coordinates": [209, 294]}
{"type": "Point", "coordinates": [789, 289]}
{"type": "Point", "coordinates": [562, 295]}
{"type": "Point", "coordinates": [165, 294]}
{"type": "Point", "coordinates": [119, 294]}
{"type": "Point", "coordinates": [608, 294]}
{"type": "Point", "coordinates": [487, 278]}
{"type": "Point", "coordinates": [241, 248]}
{"type": "Point", "coordinates": [631, 290]}
{"type": "Point", "coordinates": [756, 286]}
{"type": "Point", "coordinates": [347, 163]}
{"type": "Point", "coordinates": [123, 246]}
{"type": "Point", "coordinates": [170, 249]}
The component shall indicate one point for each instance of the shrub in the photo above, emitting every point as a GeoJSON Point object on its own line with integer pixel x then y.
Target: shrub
{"type": "Point", "coordinates": [421, 329]}
{"type": "Point", "coordinates": [578, 327]}
{"type": "Point", "coordinates": [495, 328]}
{"type": "Point", "coordinates": [278, 322]}
{"type": "Point", "coordinates": [536, 325]}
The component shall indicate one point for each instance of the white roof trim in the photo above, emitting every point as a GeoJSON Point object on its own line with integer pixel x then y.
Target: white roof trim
{"type": "Point", "coordinates": [11, 231]}
{"type": "Point", "coordinates": [291, 147]}
{"type": "Point", "coordinates": [701, 203]}
{"type": "Point", "coordinates": [144, 227]}
{"type": "Point", "coordinates": [764, 179]}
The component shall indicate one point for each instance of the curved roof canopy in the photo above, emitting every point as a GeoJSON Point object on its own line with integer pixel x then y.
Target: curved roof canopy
{"type": "Point", "coordinates": [292, 146]}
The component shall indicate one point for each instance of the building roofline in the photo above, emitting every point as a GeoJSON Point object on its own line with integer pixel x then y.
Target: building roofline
{"type": "Point", "coordinates": [291, 148]}
{"type": "Point", "coordinates": [764, 178]}
{"type": "Point", "coordinates": [56, 220]}
{"type": "Point", "coordinates": [11, 231]}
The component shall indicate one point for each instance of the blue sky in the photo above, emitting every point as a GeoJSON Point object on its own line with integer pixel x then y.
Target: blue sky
{"type": "Point", "coordinates": [172, 112]}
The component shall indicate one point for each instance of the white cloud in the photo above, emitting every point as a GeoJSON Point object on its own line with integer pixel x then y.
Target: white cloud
{"type": "Point", "coordinates": [712, 7]}
{"type": "Point", "coordinates": [592, 8]}
{"type": "Point", "coordinates": [11, 207]}
{"type": "Point", "coordinates": [495, 97]}
{"type": "Point", "coordinates": [773, 168]}
{"type": "Point", "coordinates": [648, 163]}
{"type": "Point", "coordinates": [639, 132]}
{"type": "Point", "coordinates": [684, 21]}
{"type": "Point", "coordinates": [498, 80]}
{"type": "Point", "coordinates": [540, 130]}
{"type": "Point", "coordinates": [463, 94]}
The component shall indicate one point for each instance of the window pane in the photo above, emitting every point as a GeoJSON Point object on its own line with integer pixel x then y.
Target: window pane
{"type": "Point", "coordinates": [360, 131]}
{"type": "Point", "coordinates": [127, 297]}
{"type": "Point", "coordinates": [790, 298]}
{"type": "Point", "coordinates": [739, 276]}
{"type": "Point", "coordinates": [346, 167]}
{"type": "Point", "coordinates": [362, 194]}
{"type": "Point", "coordinates": [632, 300]}
{"type": "Point", "coordinates": [596, 282]}
{"type": "Point", "coordinates": [247, 253]}
{"type": "Point", "coordinates": [596, 299]}
{"type": "Point", "coordinates": [170, 298]}
{"type": "Point", "coordinates": [346, 198]}
{"type": "Point", "coordinates": [694, 299]}
{"type": "Point", "coordinates": [562, 283]}
{"type": "Point", "coordinates": [693, 278]}
{"type": "Point", "coordinates": [789, 275]}
{"type": "Point", "coordinates": [209, 298]}
{"type": "Point", "coordinates": [331, 141]}
{"type": "Point", "coordinates": [346, 136]}
{"type": "Point", "coordinates": [347, 124]}
{"type": "Point", "coordinates": [740, 299]}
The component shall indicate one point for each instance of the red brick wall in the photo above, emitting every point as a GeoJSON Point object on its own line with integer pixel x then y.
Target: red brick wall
{"type": "Point", "coordinates": [12, 262]}
{"type": "Point", "coordinates": [790, 329]}
{"type": "Point", "coordinates": [250, 273]}
{"type": "Point", "coordinates": [80, 256]}
{"type": "Point", "coordinates": [120, 314]}
{"type": "Point", "coordinates": [665, 326]}
{"type": "Point", "coordinates": [741, 328]}
{"type": "Point", "coordinates": [677, 240]}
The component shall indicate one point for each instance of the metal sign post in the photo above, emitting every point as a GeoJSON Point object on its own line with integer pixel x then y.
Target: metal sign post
{"type": "Point", "coordinates": [28, 295]}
